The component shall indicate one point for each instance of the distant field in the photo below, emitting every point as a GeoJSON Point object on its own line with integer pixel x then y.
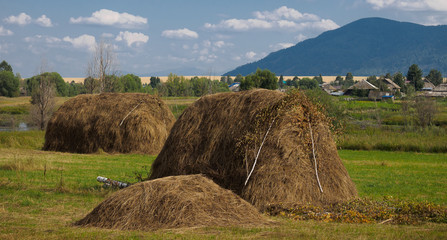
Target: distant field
{"type": "Point", "coordinates": [326, 79]}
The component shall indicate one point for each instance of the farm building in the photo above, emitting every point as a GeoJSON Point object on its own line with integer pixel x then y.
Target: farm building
{"type": "Point", "coordinates": [266, 146]}
{"type": "Point", "coordinates": [390, 85]}
{"type": "Point", "coordinates": [113, 122]}
{"type": "Point", "coordinates": [363, 86]}
{"type": "Point", "coordinates": [428, 86]}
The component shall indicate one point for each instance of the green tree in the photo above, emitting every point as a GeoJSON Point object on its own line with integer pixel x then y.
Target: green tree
{"type": "Point", "coordinates": [260, 79]}
{"type": "Point", "coordinates": [75, 89]}
{"type": "Point", "coordinates": [398, 78]}
{"type": "Point", "coordinates": [154, 81]}
{"type": "Point", "coordinates": [54, 77]}
{"type": "Point", "coordinates": [319, 79]}
{"type": "Point", "coordinates": [200, 86]}
{"type": "Point", "coordinates": [247, 83]}
{"type": "Point", "coordinates": [435, 77]}
{"type": "Point", "coordinates": [91, 85]}
{"type": "Point", "coordinates": [4, 66]}
{"type": "Point", "coordinates": [131, 83]}
{"type": "Point", "coordinates": [112, 83]}
{"type": "Point", "coordinates": [339, 81]}
{"type": "Point", "coordinates": [349, 80]}
{"type": "Point", "coordinates": [229, 80]}
{"type": "Point", "coordinates": [307, 83]}
{"type": "Point", "coordinates": [373, 80]}
{"type": "Point", "coordinates": [281, 81]}
{"type": "Point", "coordinates": [238, 78]}
{"type": "Point", "coordinates": [9, 84]}
{"type": "Point", "coordinates": [414, 75]}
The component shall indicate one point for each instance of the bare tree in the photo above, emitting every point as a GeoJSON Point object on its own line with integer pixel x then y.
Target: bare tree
{"type": "Point", "coordinates": [102, 64]}
{"type": "Point", "coordinates": [43, 102]}
{"type": "Point", "coordinates": [426, 110]}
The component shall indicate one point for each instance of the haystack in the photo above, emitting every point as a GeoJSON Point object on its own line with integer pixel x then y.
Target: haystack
{"type": "Point", "coordinates": [113, 122]}
{"type": "Point", "coordinates": [173, 202]}
{"type": "Point", "coordinates": [268, 147]}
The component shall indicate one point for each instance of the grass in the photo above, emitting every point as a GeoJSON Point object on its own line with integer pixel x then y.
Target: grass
{"type": "Point", "coordinates": [22, 140]}
{"type": "Point", "coordinates": [42, 193]}
{"type": "Point", "coordinates": [403, 175]}
{"type": "Point", "coordinates": [394, 138]}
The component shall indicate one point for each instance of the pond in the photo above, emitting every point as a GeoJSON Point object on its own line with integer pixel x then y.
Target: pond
{"type": "Point", "coordinates": [22, 127]}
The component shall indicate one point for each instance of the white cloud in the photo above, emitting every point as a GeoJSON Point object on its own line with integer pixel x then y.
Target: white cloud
{"type": "Point", "coordinates": [250, 55]}
{"type": "Point", "coordinates": [83, 42]}
{"type": "Point", "coordinates": [44, 21]}
{"type": "Point", "coordinates": [131, 38]}
{"type": "Point", "coordinates": [5, 32]}
{"type": "Point", "coordinates": [207, 58]}
{"type": "Point", "coordinates": [40, 38]}
{"type": "Point", "coordinates": [301, 37]}
{"type": "Point", "coordinates": [241, 24]}
{"type": "Point", "coordinates": [219, 44]}
{"type": "Point", "coordinates": [284, 18]}
{"type": "Point", "coordinates": [410, 5]}
{"type": "Point", "coordinates": [112, 18]}
{"type": "Point", "coordinates": [325, 25]}
{"type": "Point", "coordinates": [107, 35]}
{"type": "Point", "coordinates": [180, 34]}
{"type": "Point", "coordinates": [279, 46]}
{"type": "Point", "coordinates": [21, 19]}
{"type": "Point", "coordinates": [286, 13]}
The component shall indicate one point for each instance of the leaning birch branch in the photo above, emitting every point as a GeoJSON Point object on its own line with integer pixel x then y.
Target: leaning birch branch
{"type": "Point", "coordinates": [315, 159]}
{"type": "Point", "coordinates": [259, 151]}
{"type": "Point", "coordinates": [129, 113]}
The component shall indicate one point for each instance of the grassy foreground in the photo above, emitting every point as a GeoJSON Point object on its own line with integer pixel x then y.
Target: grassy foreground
{"type": "Point", "coordinates": [42, 193]}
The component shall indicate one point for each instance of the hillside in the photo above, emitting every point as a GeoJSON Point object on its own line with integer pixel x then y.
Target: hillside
{"type": "Point", "coordinates": [369, 46]}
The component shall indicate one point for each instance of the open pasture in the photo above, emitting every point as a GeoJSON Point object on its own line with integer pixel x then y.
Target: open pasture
{"type": "Point", "coordinates": [43, 193]}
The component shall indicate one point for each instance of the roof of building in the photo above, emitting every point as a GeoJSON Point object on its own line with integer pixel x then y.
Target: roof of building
{"type": "Point", "coordinates": [389, 82]}
{"type": "Point", "coordinates": [363, 84]}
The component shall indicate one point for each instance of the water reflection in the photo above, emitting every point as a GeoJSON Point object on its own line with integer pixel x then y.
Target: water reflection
{"type": "Point", "coordinates": [22, 127]}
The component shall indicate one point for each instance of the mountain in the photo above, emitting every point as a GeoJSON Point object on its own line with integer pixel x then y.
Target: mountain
{"type": "Point", "coordinates": [369, 46]}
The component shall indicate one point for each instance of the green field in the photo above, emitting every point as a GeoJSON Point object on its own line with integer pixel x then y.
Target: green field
{"type": "Point", "coordinates": [43, 193]}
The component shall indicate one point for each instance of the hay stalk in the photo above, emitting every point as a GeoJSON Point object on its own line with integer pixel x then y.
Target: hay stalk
{"type": "Point", "coordinates": [315, 159]}
{"type": "Point", "coordinates": [259, 151]}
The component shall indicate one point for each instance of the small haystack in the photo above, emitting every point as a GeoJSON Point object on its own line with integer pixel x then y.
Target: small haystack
{"type": "Point", "coordinates": [269, 147]}
{"type": "Point", "coordinates": [173, 202]}
{"type": "Point", "coordinates": [113, 122]}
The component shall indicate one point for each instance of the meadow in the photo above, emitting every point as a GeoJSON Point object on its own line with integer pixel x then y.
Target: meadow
{"type": "Point", "coordinates": [43, 193]}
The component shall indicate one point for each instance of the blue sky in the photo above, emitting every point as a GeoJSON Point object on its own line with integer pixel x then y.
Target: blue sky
{"type": "Point", "coordinates": [198, 37]}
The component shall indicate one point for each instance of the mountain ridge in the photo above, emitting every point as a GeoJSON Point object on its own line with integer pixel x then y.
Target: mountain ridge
{"type": "Point", "coordinates": [368, 46]}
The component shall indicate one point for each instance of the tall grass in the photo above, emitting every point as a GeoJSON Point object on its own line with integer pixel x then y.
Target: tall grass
{"type": "Point", "coordinates": [431, 140]}
{"type": "Point", "coordinates": [22, 139]}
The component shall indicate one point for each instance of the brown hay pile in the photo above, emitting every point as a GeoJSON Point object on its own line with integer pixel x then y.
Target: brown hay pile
{"type": "Point", "coordinates": [173, 202]}
{"type": "Point", "coordinates": [87, 123]}
{"type": "Point", "coordinates": [220, 136]}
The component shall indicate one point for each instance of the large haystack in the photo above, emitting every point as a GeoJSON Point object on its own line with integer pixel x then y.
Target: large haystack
{"type": "Point", "coordinates": [220, 136]}
{"type": "Point", "coordinates": [173, 202]}
{"type": "Point", "coordinates": [113, 122]}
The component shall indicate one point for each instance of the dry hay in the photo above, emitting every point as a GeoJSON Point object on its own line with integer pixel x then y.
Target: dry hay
{"type": "Point", "coordinates": [173, 202]}
{"type": "Point", "coordinates": [87, 123]}
{"type": "Point", "coordinates": [220, 136]}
